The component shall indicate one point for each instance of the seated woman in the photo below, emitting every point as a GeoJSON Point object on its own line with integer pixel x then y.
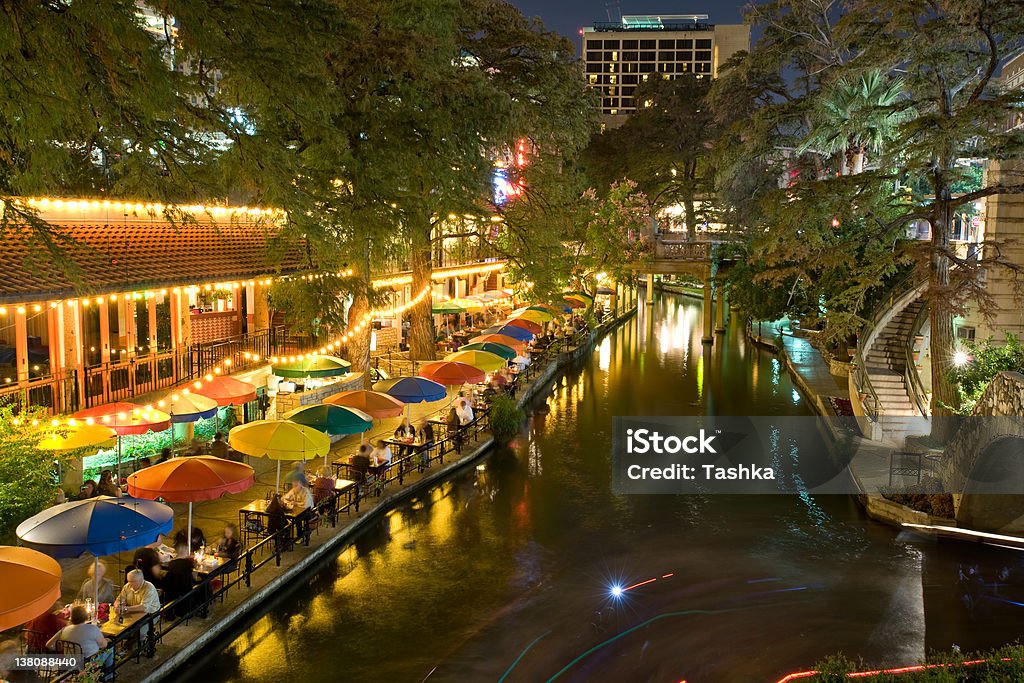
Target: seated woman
{"type": "Point", "coordinates": [198, 539]}
{"type": "Point", "coordinates": [228, 545]}
{"type": "Point", "coordinates": [427, 437]}
{"type": "Point", "coordinates": [88, 490]}
{"type": "Point", "coordinates": [97, 587]}
{"type": "Point", "coordinates": [107, 485]}
{"type": "Point", "coordinates": [179, 580]}
{"type": "Point", "coordinates": [381, 454]}
{"type": "Point", "coordinates": [147, 560]}
{"type": "Point", "coordinates": [405, 431]}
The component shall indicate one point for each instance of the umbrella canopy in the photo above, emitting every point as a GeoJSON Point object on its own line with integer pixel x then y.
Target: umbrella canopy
{"type": "Point", "coordinates": [534, 316]}
{"type": "Point", "coordinates": [575, 303]}
{"type": "Point", "coordinates": [469, 303]}
{"type": "Point", "coordinates": [527, 325]}
{"type": "Point", "coordinates": [331, 419]}
{"type": "Point", "coordinates": [481, 360]}
{"type": "Point", "coordinates": [279, 440]}
{"type": "Point", "coordinates": [500, 339]}
{"type": "Point", "coordinates": [187, 480]}
{"type": "Point", "coordinates": [228, 391]}
{"type": "Point", "coordinates": [605, 291]}
{"type": "Point", "coordinates": [101, 526]}
{"type": "Point", "coordinates": [516, 332]}
{"type": "Point", "coordinates": [506, 352]}
{"type": "Point", "coordinates": [35, 582]}
{"type": "Point", "coordinates": [78, 435]}
{"type": "Point", "coordinates": [451, 373]}
{"type": "Point", "coordinates": [492, 295]}
{"type": "Point", "coordinates": [412, 389]}
{"type": "Point", "coordinates": [580, 296]}
{"type": "Point", "coordinates": [555, 311]}
{"type": "Point", "coordinates": [189, 407]}
{"type": "Point", "coordinates": [447, 307]}
{"type": "Point", "coordinates": [315, 366]}
{"type": "Point", "coordinates": [127, 418]}
{"type": "Point", "coordinates": [373, 403]}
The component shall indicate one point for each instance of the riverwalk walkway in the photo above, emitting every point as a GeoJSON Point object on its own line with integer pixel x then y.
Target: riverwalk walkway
{"type": "Point", "coordinates": [267, 569]}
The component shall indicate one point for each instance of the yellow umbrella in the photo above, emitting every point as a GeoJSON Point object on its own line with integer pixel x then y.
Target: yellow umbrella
{"type": "Point", "coordinates": [481, 360]}
{"type": "Point", "coordinates": [279, 440]}
{"type": "Point", "coordinates": [534, 316]}
{"type": "Point", "coordinates": [79, 435]}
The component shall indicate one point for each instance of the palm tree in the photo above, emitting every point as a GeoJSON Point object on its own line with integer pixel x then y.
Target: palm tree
{"type": "Point", "coordinates": [852, 120]}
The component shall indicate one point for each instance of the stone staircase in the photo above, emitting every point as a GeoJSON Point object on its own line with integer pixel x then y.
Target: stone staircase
{"type": "Point", "coordinates": [885, 363]}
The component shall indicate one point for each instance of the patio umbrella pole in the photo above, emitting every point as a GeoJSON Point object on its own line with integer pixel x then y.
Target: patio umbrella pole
{"type": "Point", "coordinates": [277, 488]}
{"type": "Point", "coordinates": [96, 585]}
{"type": "Point", "coordinates": [190, 527]}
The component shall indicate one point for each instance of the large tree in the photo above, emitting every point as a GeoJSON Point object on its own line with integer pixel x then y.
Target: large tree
{"type": "Point", "coordinates": [664, 147]}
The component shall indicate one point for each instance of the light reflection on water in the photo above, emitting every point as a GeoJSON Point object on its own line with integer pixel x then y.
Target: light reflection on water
{"type": "Point", "coordinates": [516, 558]}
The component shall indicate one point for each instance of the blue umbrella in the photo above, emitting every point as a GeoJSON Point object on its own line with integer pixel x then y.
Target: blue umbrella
{"type": "Point", "coordinates": [102, 526]}
{"type": "Point", "coordinates": [515, 332]}
{"type": "Point", "coordinates": [411, 390]}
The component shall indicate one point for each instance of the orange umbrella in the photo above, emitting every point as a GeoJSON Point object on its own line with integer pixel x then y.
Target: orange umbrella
{"type": "Point", "coordinates": [34, 582]}
{"type": "Point", "coordinates": [452, 373]}
{"type": "Point", "coordinates": [186, 480]}
{"type": "Point", "coordinates": [502, 339]}
{"type": "Point", "coordinates": [373, 403]}
{"type": "Point", "coordinates": [228, 391]}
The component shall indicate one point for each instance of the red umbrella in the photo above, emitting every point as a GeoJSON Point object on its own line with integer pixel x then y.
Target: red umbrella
{"type": "Point", "coordinates": [452, 373]}
{"type": "Point", "coordinates": [526, 325]}
{"type": "Point", "coordinates": [186, 480]}
{"type": "Point", "coordinates": [127, 418]}
{"type": "Point", "coordinates": [228, 391]}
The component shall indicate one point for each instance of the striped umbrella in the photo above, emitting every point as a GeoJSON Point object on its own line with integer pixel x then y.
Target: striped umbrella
{"type": "Point", "coordinates": [506, 352]}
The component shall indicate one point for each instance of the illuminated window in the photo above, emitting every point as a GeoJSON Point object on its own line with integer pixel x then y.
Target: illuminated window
{"type": "Point", "coordinates": [593, 78]}
{"type": "Point", "coordinates": [612, 79]}
{"type": "Point", "coordinates": [615, 56]}
{"type": "Point", "coordinates": [613, 112]}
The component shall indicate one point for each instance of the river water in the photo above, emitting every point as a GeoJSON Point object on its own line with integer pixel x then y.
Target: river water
{"type": "Point", "coordinates": [506, 571]}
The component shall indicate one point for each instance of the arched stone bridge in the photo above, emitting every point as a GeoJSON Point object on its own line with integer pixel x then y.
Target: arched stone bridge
{"type": "Point", "coordinates": [983, 465]}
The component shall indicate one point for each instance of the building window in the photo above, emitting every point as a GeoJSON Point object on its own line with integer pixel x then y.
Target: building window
{"type": "Point", "coordinates": [684, 44]}
{"type": "Point", "coordinates": [612, 79]}
{"type": "Point", "coordinates": [594, 68]}
{"type": "Point", "coordinates": [614, 45]}
{"type": "Point", "coordinates": [648, 44]}
{"type": "Point", "coordinates": [608, 56]}
{"type": "Point", "coordinates": [615, 56]}
{"type": "Point", "coordinates": [965, 333]}
{"type": "Point", "coordinates": [593, 56]}
{"type": "Point", "coordinates": [648, 56]}
{"type": "Point", "coordinates": [703, 56]}
{"type": "Point", "coordinates": [613, 112]}
{"type": "Point", "coordinates": [630, 56]}
{"type": "Point", "coordinates": [684, 56]}
{"type": "Point", "coordinates": [667, 44]}
{"type": "Point", "coordinates": [611, 68]}
{"type": "Point", "coordinates": [593, 44]}
{"type": "Point", "coordinates": [629, 45]}
{"type": "Point", "coordinates": [703, 44]}
{"type": "Point", "coordinates": [592, 78]}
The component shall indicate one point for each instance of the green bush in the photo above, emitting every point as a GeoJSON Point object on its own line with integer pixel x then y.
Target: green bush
{"type": "Point", "coordinates": [1000, 666]}
{"type": "Point", "coordinates": [985, 361]}
{"type": "Point", "coordinates": [148, 445]}
{"type": "Point", "coordinates": [28, 475]}
{"type": "Point", "coordinates": [506, 419]}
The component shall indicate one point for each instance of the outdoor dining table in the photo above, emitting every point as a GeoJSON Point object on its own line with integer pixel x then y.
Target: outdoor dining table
{"type": "Point", "coordinates": [111, 628]}
{"type": "Point", "coordinates": [252, 518]}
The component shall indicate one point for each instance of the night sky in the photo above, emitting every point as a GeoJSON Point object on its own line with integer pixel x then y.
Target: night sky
{"type": "Point", "coordinates": [568, 16]}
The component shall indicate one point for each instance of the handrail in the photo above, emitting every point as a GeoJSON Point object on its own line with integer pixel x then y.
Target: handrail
{"type": "Point", "coordinates": [861, 380]}
{"type": "Point", "coordinates": [911, 377]}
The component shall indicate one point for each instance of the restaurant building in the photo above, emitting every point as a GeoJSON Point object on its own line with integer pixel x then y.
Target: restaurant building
{"type": "Point", "coordinates": [116, 300]}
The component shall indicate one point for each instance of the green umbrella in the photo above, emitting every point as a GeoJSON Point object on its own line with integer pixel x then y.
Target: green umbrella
{"type": "Point", "coordinates": [447, 307]}
{"type": "Point", "coordinates": [331, 419]}
{"type": "Point", "coordinates": [505, 352]}
{"type": "Point", "coordinates": [314, 366]}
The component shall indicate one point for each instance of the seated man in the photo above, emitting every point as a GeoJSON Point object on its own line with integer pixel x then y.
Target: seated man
{"type": "Point", "coordinates": [98, 587]}
{"type": "Point", "coordinates": [299, 502]}
{"type": "Point", "coordinates": [138, 597]}
{"type": "Point", "coordinates": [83, 633]}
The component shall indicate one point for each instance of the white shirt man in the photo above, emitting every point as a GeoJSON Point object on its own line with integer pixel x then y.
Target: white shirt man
{"type": "Point", "coordinates": [138, 596]}
{"type": "Point", "coordinates": [465, 411]}
{"type": "Point", "coordinates": [298, 499]}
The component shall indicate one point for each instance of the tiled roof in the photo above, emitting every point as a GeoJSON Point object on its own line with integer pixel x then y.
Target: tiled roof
{"type": "Point", "coordinates": [101, 258]}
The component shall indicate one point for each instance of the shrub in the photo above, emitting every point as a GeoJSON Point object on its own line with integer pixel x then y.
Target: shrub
{"type": "Point", "coordinates": [985, 361]}
{"type": "Point", "coordinates": [28, 475]}
{"type": "Point", "coordinates": [506, 419]}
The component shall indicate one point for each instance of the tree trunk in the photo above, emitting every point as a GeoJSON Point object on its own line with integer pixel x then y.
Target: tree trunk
{"type": "Point", "coordinates": [690, 217]}
{"type": "Point", "coordinates": [943, 344]}
{"type": "Point", "coordinates": [858, 161]}
{"type": "Point", "coordinates": [421, 330]}
{"type": "Point", "coordinates": [359, 344]}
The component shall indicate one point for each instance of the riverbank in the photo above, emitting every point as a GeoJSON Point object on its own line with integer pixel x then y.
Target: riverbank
{"type": "Point", "coordinates": [180, 646]}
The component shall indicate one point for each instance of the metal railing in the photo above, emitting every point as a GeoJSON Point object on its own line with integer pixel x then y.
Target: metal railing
{"type": "Point", "coordinates": [911, 377]}
{"type": "Point", "coordinates": [263, 343]}
{"type": "Point", "coordinates": [57, 393]}
{"type": "Point", "coordinates": [862, 381]}
{"type": "Point", "coordinates": [123, 380]}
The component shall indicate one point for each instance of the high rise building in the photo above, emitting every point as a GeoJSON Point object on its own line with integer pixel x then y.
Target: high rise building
{"type": "Point", "coordinates": [619, 55]}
